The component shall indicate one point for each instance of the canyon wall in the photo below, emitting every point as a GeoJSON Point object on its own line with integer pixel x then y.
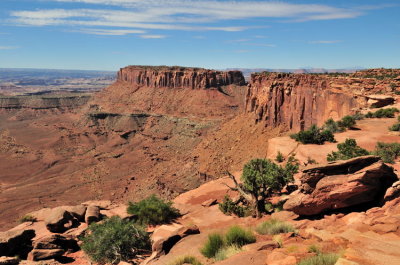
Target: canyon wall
{"type": "Point", "coordinates": [179, 77]}
{"type": "Point", "coordinates": [296, 101]}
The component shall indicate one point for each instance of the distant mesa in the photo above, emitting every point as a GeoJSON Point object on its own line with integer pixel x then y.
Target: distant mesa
{"type": "Point", "coordinates": [179, 77]}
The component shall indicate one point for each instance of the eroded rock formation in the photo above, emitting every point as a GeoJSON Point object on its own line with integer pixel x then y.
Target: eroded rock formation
{"type": "Point", "coordinates": [179, 77]}
{"type": "Point", "coordinates": [296, 101]}
{"type": "Point", "coordinates": [340, 185]}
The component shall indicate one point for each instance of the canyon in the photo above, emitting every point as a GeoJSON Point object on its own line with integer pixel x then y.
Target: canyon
{"type": "Point", "coordinates": [174, 132]}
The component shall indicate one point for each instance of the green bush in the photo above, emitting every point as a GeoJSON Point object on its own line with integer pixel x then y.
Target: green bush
{"type": "Point", "coordinates": [153, 211]}
{"type": "Point", "coordinates": [279, 157]}
{"type": "Point", "coordinates": [186, 260]}
{"type": "Point", "coordinates": [348, 149]}
{"type": "Point", "coordinates": [395, 127]}
{"type": "Point", "coordinates": [229, 207]}
{"type": "Point", "coordinates": [382, 113]}
{"type": "Point", "coordinates": [214, 243]}
{"type": "Point", "coordinates": [261, 178]}
{"type": "Point", "coordinates": [332, 126]}
{"type": "Point", "coordinates": [238, 236]}
{"type": "Point", "coordinates": [314, 135]}
{"type": "Point", "coordinates": [321, 259]}
{"type": "Point", "coordinates": [227, 252]}
{"type": "Point", "coordinates": [273, 227]}
{"type": "Point", "coordinates": [27, 218]}
{"type": "Point", "coordinates": [114, 240]}
{"type": "Point", "coordinates": [314, 249]}
{"type": "Point", "coordinates": [387, 151]}
{"type": "Point", "coordinates": [347, 122]}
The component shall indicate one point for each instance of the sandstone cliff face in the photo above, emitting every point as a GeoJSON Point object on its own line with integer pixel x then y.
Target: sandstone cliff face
{"type": "Point", "coordinates": [296, 101]}
{"type": "Point", "coordinates": [179, 77]}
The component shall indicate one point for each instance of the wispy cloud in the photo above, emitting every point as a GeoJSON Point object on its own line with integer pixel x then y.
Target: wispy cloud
{"type": "Point", "coordinates": [111, 32]}
{"type": "Point", "coordinates": [152, 36]}
{"type": "Point", "coordinates": [325, 41]}
{"type": "Point", "coordinates": [130, 15]}
{"type": "Point", "coordinates": [8, 47]}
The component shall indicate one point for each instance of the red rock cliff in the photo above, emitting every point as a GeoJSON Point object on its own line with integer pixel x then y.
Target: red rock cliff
{"type": "Point", "coordinates": [296, 101]}
{"type": "Point", "coordinates": [179, 77]}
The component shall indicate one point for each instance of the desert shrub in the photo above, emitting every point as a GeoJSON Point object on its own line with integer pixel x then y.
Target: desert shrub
{"type": "Point", "coordinates": [27, 218]}
{"type": "Point", "coordinates": [348, 149]}
{"type": "Point", "coordinates": [114, 240]}
{"type": "Point", "coordinates": [186, 260]}
{"type": "Point", "coordinates": [395, 127]}
{"type": "Point", "coordinates": [387, 151]}
{"type": "Point", "coordinates": [273, 227]}
{"type": "Point", "coordinates": [314, 135]}
{"type": "Point", "coordinates": [226, 252]}
{"type": "Point", "coordinates": [229, 207]}
{"type": "Point", "coordinates": [214, 243]}
{"type": "Point", "coordinates": [278, 240]}
{"type": "Point", "coordinates": [332, 126]}
{"type": "Point", "coordinates": [382, 113]}
{"type": "Point", "coordinates": [279, 157]}
{"type": "Point", "coordinates": [238, 236]}
{"type": "Point", "coordinates": [311, 161]}
{"type": "Point", "coordinates": [347, 122]}
{"type": "Point", "coordinates": [314, 249]}
{"type": "Point", "coordinates": [153, 211]}
{"type": "Point", "coordinates": [261, 178]}
{"type": "Point", "coordinates": [358, 116]}
{"type": "Point", "coordinates": [320, 259]}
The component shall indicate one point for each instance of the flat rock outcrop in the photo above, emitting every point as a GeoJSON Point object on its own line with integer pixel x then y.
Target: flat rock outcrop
{"type": "Point", "coordinates": [340, 185]}
{"type": "Point", "coordinates": [179, 77]}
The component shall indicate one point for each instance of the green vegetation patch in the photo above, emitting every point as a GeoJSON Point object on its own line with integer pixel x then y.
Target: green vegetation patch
{"type": "Point", "coordinates": [382, 113]}
{"type": "Point", "coordinates": [387, 151]}
{"type": "Point", "coordinates": [115, 240]}
{"type": "Point", "coordinates": [186, 260]}
{"type": "Point", "coordinates": [321, 259]}
{"type": "Point", "coordinates": [348, 149]}
{"type": "Point", "coordinates": [274, 227]}
{"type": "Point", "coordinates": [314, 135]}
{"type": "Point", "coordinates": [153, 211]}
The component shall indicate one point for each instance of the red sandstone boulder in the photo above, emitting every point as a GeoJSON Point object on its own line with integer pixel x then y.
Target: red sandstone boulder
{"type": "Point", "coordinates": [44, 254]}
{"type": "Point", "coordinates": [340, 185]}
{"type": "Point", "coordinates": [16, 242]}
{"type": "Point", "coordinates": [9, 261]}
{"type": "Point", "coordinates": [60, 220]}
{"type": "Point", "coordinates": [92, 214]}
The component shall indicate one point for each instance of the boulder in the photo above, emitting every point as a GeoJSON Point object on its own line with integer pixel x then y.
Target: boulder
{"type": "Point", "coordinates": [166, 236]}
{"type": "Point", "coordinates": [92, 214]}
{"type": "Point", "coordinates": [393, 192]}
{"type": "Point", "coordinates": [56, 242]}
{"type": "Point", "coordinates": [77, 211]}
{"type": "Point", "coordinates": [44, 254]}
{"type": "Point", "coordinates": [210, 202]}
{"type": "Point", "coordinates": [60, 220]}
{"type": "Point", "coordinates": [16, 242]}
{"type": "Point", "coordinates": [9, 260]}
{"type": "Point", "coordinates": [340, 185]}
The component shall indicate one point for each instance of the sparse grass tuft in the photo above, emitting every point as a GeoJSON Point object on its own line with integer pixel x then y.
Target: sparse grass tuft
{"type": "Point", "coordinates": [314, 249]}
{"type": "Point", "coordinates": [321, 259]}
{"type": "Point", "coordinates": [27, 218]}
{"type": "Point", "coordinates": [274, 227]}
{"type": "Point", "coordinates": [227, 252]}
{"type": "Point", "coordinates": [214, 243]}
{"type": "Point", "coordinates": [238, 236]}
{"type": "Point", "coordinates": [186, 260]}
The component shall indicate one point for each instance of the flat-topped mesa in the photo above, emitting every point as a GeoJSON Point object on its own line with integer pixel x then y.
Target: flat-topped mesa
{"type": "Point", "coordinates": [179, 77]}
{"type": "Point", "coordinates": [296, 101]}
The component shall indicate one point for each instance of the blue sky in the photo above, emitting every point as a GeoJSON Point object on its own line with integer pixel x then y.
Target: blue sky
{"type": "Point", "coordinates": [109, 34]}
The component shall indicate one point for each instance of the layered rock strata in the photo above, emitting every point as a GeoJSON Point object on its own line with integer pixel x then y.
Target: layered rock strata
{"type": "Point", "coordinates": [179, 77]}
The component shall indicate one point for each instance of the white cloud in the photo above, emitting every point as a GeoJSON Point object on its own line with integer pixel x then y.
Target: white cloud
{"type": "Point", "coordinates": [187, 15]}
{"type": "Point", "coordinates": [111, 32]}
{"type": "Point", "coordinates": [8, 47]}
{"type": "Point", "coordinates": [325, 41]}
{"type": "Point", "coordinates": [152, 36]}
